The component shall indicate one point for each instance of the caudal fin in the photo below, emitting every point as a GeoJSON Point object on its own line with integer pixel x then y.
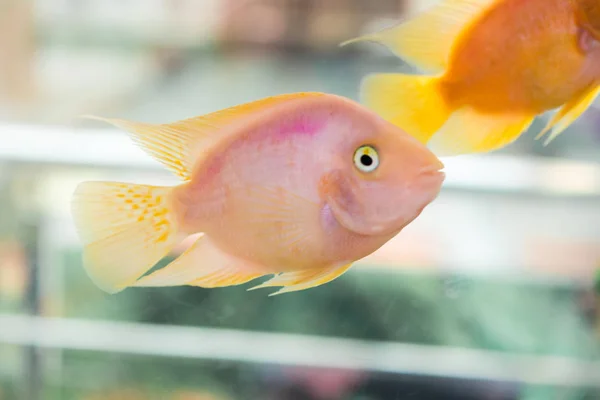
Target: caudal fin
{"type": "Point", "coordinates": [412, 102]}
{"type": "Point", "coordinates": [126, 229]}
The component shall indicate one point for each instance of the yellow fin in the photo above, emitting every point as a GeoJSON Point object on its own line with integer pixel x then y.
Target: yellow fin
{"type": "Point", "coordinates": [427, 39]}
{"type": "Point", "coordinates": [176, 144]}
{"type": "Point", "coordinates": [301, 280]}
{"type": "Point", "coordinates": [568, 114]}
{"type": "Point", "coordinates": [204, 265]}
{"type": "Point", "coordinates": [468, 131]}
{"type": "Point", "coordinates": [126, 229]}
{"type": "Point", "coordinates": [412, 102]}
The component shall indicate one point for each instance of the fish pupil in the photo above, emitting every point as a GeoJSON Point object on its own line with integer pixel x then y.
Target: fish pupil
{"type": "Point", "coordinates": [366, 160]}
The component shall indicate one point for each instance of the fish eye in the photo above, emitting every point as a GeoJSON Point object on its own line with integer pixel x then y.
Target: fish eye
{"type": "Point", "coordinates": [366, 158]}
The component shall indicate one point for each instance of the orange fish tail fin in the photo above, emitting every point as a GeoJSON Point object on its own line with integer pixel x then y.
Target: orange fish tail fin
{"type": "Point", "coordinates": [126, 229]}
{"type": "Point", "coordinates": [412, 102]}
{"type": "Point", "coordinates": [469, 131]}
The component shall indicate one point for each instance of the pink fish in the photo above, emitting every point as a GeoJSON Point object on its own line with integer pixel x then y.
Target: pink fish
{"type": "Point", "coordinates": [299, 186]}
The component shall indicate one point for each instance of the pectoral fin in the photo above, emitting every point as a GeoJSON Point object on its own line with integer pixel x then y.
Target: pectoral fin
{"type": "Point", "coordinates": [568, 114]}
{"type": "Point", "coordinates": [271, 206]}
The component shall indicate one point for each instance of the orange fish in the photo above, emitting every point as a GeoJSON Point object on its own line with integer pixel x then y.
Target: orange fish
{"type": "Point", "coordinates": [491, 67]}
{"type": "Point", "coordinates": [299, 185]}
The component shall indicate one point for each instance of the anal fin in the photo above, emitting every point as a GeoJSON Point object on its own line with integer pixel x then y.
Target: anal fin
{"type": "Point", "coordinates": [568, 114]}
{"type": "Point", "coordinates": [204, 265]}
{"type": "Point", "coordinates": [469, 131]}
{"type": "Point", "coordinates": [301, 280]}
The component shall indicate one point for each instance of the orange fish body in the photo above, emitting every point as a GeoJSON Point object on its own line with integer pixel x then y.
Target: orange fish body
{"type": "Point", "coordinates": [297, 185]}
{"type": "Point", "coordinates": [497, 64]}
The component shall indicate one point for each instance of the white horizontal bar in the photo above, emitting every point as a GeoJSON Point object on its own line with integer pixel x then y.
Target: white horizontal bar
{"type": "Point", "coordinates": [60, 145]}
{"type": "Point", "coordinates": [111, 148]}
{"type": "Point", "coordinates": [288, 349]}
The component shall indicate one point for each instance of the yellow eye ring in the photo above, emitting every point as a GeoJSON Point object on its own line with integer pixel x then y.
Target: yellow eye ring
{"type": "Point", "coordinates": [366, 159]}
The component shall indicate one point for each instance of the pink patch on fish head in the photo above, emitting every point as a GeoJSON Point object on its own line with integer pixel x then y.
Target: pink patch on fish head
{"type": "Point", "coordinates": [304, 124]}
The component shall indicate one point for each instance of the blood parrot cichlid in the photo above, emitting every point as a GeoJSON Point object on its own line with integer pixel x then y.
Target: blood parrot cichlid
{"type": "Point", "coordinates": [299, 186]}
{"type": "Point", "coordinates": [491, 67]}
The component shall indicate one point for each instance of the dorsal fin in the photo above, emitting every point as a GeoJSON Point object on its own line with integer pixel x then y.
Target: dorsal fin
{"type": "Point", "coordinates": [427, 39]}
{"type": "Point", "coordinates": [176, 145]}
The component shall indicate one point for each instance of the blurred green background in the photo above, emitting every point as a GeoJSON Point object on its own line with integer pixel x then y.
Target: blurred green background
{"type": "Point", "coordinates": [493, 293]}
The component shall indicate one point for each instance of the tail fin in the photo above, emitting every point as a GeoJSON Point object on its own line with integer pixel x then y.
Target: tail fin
{"type": "Point", "coordinates": [412, 102]}
{"type": "Point", "coordinates": [126, 229]}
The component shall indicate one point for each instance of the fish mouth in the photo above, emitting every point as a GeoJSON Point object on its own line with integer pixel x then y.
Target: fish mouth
{"type": "Point", "coordinates": [435, 174]}
{"type": "Point", "coordinates": [439, 175]}
{"type": "Point", "coordinates": [429, 184]}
